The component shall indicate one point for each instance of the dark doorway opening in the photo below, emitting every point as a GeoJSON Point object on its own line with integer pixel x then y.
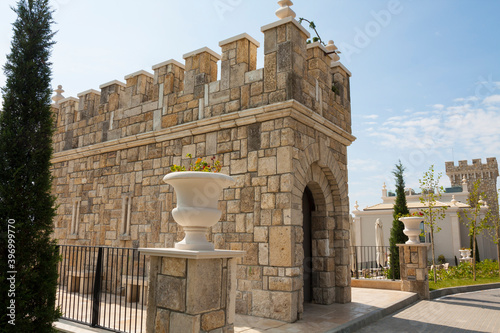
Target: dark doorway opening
{"type": "Point", "coordinates": [307, 208]}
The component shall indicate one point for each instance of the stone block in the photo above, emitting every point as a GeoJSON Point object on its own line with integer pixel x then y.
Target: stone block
{"type": "Point", "coordinates": [251, 253]}
{"type": "Point", "coordinates": [268, 201]}
{"type": "Point", "coordinates": [263, 254]}
{"type": "Point", "coordinates": [237, 76]}
{"type": "Point", "coordinates": [203, 287]}
{"type": "Point", "coordinates": [173, 266]}
{"type": "Point", "coordinates": [213, 320]}
{"type": "Point", "coordinates": [275, 305]}
{"type": "Point", "coordinates": [281, 246]}
{"type": "Point", "coordinates": [280, 283]}
{"type": "Point", "coordinates": [270, 78]}
{"type": "Point", "coordinates": [267, 166]}
{"type": "Point", "coordinates": [171, 293]}
{"type": "Point", "coordinates": [162, 321]}
{"type": "Point", "coordinates": [247, 199]}
{"type": "Point", "coordinates": [181, 322]}
{"type": "Point", "coordinates": [260, 234]}
{"type": "Point", "coordinates": [252, 161]}
{"type": "Point", "coordinates": [254, 76]}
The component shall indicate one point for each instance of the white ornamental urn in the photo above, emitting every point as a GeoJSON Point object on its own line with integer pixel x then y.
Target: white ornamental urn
{"type": "Point", "coordinates": [197, 197]}
{"type": "Point", "coordinates": [412, 228]}
{"type": "Point", "coordinates": [465, 253]}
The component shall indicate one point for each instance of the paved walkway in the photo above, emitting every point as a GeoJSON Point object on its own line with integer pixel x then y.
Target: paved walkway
{"type": "Point", "coordinates": [330, 318]}
{"type": "Point", "coordinates": [468, 312]}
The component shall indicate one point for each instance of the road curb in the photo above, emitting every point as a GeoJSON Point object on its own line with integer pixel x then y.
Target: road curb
{"type": "Point", "coordinates": [373, 316]}
{"type": "Point", "coordinates": [462, 289]}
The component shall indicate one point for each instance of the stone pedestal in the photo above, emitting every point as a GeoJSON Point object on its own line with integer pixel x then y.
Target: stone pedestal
{"type": "Point", "coordinates": [191, 291]}
{"type": "Point", "coordinates": [413, 265]}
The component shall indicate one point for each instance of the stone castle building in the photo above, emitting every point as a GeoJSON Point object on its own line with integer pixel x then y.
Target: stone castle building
{"type": "Point", "coordinates": [281, 131]}
{"type": "Point", "coordinates": [487, 173]}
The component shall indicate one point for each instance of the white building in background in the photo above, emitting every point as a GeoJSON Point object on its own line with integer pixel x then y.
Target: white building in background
{"type": "Point", "coordinates": [448, 241]}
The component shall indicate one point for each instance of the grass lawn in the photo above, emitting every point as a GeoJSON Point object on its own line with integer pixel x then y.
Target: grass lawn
{"type": "Point", "coordinates": [459, 282]}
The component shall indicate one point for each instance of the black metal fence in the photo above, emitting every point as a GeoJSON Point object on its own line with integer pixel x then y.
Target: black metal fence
{"type": "Point", "coordinates": [370, 262]}
{"type": "Point", "coordinates": [103, 287]}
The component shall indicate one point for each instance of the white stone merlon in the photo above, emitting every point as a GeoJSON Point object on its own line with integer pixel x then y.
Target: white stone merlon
{"type": "Point", "coordinates": [141, 72]}
{"type": "Point", "coordinates": [238, 37]}
{"type": "Point", "coordinates": [339, 64]}
{"type": "Point", "coordinates": [68, 99]}
{"type": "Point", "coordinates": [90, 91]}
{"type": "Point", "coordinates": [110, 83]}
{"type": "Point", "coordinates": [203, 49]}
{"type": "Point", "coordinates": [317, 44]}
{"type": "Point", "coordinates": [168, 62]}
{"type": "Point", "coordinates": [285, 21]}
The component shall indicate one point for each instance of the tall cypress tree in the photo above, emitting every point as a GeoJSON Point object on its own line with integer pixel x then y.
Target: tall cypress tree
{"type": "Point", "coordinates": [400, 208]}
{"type": "Point", "coordinates": [29, 257]}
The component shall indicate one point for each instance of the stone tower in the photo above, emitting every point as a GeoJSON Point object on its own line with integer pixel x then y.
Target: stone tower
{"type": "Point", "coordinates": [281, 131]}
{"type": "Point", "coordinates": [488, 173]}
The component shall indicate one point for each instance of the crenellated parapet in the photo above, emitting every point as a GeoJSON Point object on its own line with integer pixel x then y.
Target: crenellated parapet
{"type": "Point", "coordinates": [176, 93]}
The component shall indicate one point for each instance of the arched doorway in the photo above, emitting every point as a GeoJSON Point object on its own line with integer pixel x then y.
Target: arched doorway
{"type": "Point", "coordinates": [307, 208]}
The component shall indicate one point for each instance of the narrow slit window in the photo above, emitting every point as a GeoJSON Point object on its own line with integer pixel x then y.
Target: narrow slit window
{"type": "Point", "coordinates": [75, 217]}
{"type": "Point", "coordinates": [126, 213]}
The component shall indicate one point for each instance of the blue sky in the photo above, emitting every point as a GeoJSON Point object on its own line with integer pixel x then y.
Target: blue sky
{"type": "Point", "coordinates": [426, 77]}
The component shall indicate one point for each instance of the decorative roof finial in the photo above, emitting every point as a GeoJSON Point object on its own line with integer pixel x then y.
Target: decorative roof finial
{"type": "Point", "coordinates": [453, 200]}
{"type": "Point", "coordinates": [331, 47]}
{"type": "Point", "coordinates": [356, 206]}
{"type": "Point", "coordinates": [384, 187]}
{"type": "Point", "coordinates": [58, 95]}
{"type": "Point", "coordinates": [285, 10]}
{"type": "Point", "coordinates": [464, 180]}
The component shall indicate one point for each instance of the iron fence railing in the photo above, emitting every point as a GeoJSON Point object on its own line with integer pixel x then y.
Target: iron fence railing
{"type": "Point", "coordinates": [370, 262]}
{"type": "Point", "coordinates": [103, 287]}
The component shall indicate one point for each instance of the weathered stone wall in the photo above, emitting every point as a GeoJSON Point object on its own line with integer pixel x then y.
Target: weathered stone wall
{"type": "Point", "coordinates": [276, 130]}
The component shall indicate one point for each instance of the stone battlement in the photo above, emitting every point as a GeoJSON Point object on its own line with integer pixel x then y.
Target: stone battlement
{"type": "Point", "coordinates": [475, 170]}
{"type": "Point", "coordinates": [176, 93]}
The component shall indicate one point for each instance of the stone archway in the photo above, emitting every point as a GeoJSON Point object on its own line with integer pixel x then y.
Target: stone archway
{"type": "Point", "coordinates": [318, 170]}
{"type": "Point", "coordinates": [308, 208]}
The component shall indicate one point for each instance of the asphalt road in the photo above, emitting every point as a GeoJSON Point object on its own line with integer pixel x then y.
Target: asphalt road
{"type": "Point", "coordinates": [468, 312]}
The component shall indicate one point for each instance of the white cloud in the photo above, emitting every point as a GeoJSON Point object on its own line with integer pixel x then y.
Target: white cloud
{"type": "Point", "coordinates": [438, 106]}
{"type": "Point", "coordinates": [493, 99]}
{"type": "Point", "coordinates": [371, 116]}
{"type": "Point", "coordinates": [468, 127]}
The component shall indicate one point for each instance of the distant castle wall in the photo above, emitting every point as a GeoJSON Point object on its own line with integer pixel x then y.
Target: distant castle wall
{"type": "Point", "coordinates": [487, 172]}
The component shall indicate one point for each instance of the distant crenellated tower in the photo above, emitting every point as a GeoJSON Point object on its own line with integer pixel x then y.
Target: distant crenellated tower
{"type": "Point", "coordinates": [488, 173]}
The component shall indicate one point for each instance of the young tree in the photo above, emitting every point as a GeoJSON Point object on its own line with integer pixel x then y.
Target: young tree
{"type": "Point", "coordinates": [495, 233]}
{"type": "Point", "coordinates": [29, 256]}
{"type": "Point", "coordinates": [431, 193]}
{"type": "Point", "coordinates": [400, 209]}
{"type": "Point", "coordinates": [474, 221]}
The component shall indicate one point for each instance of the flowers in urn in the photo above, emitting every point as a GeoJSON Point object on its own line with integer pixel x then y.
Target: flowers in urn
{"type": "Point", "coordinates": [200, 165]}
{"type": "Point", "coordinates": [414, 214]}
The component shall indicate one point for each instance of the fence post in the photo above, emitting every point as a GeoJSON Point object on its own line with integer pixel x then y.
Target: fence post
{"type": "Point", "coordinates": [97, 289]}
{"type": "Point", "coordinates": [356, 256]}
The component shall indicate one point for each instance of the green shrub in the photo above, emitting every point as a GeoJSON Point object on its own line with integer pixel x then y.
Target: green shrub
{"type": "Point", "coordinates": [441, 259]}
{"type": "Point", "coordinates": [485, 269]}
